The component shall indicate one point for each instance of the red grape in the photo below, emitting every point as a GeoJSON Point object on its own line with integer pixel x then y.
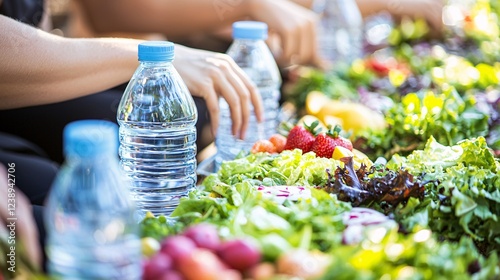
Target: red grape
{"type": "Point", "coordinates": [156, 266]}
{"type": "Point", "coordinates": [171, 275]}
{"type": "Point", "coordinates": [240, 254]}
{"type": "Point", "coordinates": [177, 246]}
{"type": "Point", "coordinates": [204, 235]}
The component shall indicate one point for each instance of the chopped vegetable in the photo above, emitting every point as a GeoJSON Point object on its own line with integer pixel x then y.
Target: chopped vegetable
{"type": "Point", "coordinates": [376, 185]}
{"type": "Point", "coordinates": [466, 200]}
{"type": "Point", "coordinates": [447, 116]}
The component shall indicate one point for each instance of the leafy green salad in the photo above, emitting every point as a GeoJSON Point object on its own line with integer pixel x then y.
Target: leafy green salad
{"type": "Point", "coordinates": [452, 232]}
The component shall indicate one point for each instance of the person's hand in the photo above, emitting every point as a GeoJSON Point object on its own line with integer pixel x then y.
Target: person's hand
{"type": "Point", "coordinates": [430, 10]}
{"type": "Point", "coordinates": [25, 227]}
{"type": "Point", "coordinates": [295, 26]}
{"type": "Point", "coordinates": [210, 75]}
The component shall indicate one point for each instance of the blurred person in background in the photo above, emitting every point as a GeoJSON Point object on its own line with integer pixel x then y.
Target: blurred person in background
{"type": "Point", "coordinates": [206, 24]}
{"type": "Point", "coordinates": [292, 27]}
{"type": "Point", "coordinates": [430, 10]}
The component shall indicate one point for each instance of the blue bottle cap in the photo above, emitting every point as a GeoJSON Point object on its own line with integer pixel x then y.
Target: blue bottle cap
{"type": "Point", "coordinates": [156, 51]}
{"type": "Point", "coordinates": [89, 138]}
{"type": "Point", "coordinates": [254, 30]}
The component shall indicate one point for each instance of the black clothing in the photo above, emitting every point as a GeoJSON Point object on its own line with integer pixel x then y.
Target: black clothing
{"type": "Point", "coordinates": [38, 215]}
{"type": "Point", "coordinates": [44, 124]}
{"type": "Point", "coordinates": [27, 11]}
{"type": "Point", "coordinates": [34, 172]}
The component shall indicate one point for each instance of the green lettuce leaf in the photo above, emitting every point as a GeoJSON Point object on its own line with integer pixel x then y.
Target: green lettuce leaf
{"type": "Point", "coordinates": [466, 198]}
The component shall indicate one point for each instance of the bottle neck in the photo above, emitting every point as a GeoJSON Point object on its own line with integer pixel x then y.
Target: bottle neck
{"type": "Point", "coordinates": [155, 63]}
{"type": "Point", "coordinates": [249, 41]}
{"type": "Point", "coordinates": [100, 159]}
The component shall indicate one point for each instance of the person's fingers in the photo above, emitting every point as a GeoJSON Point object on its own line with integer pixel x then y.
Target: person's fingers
{"type": "Point", "coordinates": [290, 45]}
{"type": "Point", "coordinates": [430, 11]}
{"type": "Point", "coordinates": [307, 42]}
{"type": "Point", "coordinates": [313, 45]}
{"type": "Point", "coordinates": [256, 100]}
{"type": "Point", "coordinates": [229, 94]}
{"type": "Point", "coordinates": [437, 17]}
{"type": "Point", "coordinates": [243, 94]}
{"type": "Point", "coordinates": [299, 41]}
{"type": "Point", "coordinates": [252, 90]}
{"type": "Point", "coordinates": [212, 100]}
{"type": "Point", "coordinates": [303, 45]}
{"type": "Point", "coordinates": [222, 78]}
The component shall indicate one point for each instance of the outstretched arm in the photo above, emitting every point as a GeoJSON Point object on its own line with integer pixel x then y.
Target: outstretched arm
{"type": "Point", "coordinates": [294, 24]}
{"type": "Point", "coordinates": [41, 68]}
{"type": "Point", "coordinates": [430, 10]}
{"type": "Point", "coordinates": [170, 17]}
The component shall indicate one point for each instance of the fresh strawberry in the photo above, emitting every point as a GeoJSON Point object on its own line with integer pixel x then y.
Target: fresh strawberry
{"type": "Point", "coordinates": [343, 142]}
{"type": "Point", "coordinates": [325, 143]}
{"type": "Point", "coordinates": [279, 141]}
{"type": "Point", "coordinates": [323, 146]}
{"type": "Point", "coordinates": [379, 67]}
{"type": "Point", "coordinates": [301, 137]}
{"type": "Point", "coordinates": [263, 146]}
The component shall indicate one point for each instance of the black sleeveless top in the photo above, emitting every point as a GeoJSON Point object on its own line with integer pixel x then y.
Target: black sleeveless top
{"type": "Point", "coordinates": [27, 11]}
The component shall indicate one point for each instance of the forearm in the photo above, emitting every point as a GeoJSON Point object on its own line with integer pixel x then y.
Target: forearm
{"type": "Point", "coordinates": [40, 68]}
{"type": "Point", "coordinates": [366, 7]}
{"type": "Point", "coordinates": [170, 17]}
{"type": "Point", "coordinates": [430, 10]}
{"type": "Point", "coordinates": [369, 7]}
{"type": "Point", "coordinates": [304, 3]}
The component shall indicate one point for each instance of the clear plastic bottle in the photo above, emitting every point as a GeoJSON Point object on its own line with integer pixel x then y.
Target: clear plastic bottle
{"type": "Point", "coordinates": [157, 118]}
{"type": "Point", "coordinates": [340, 30]}
{"type": "Point", "coordinates": [89, 217]}
{"type": "Point", "coordinates": [251, 53]}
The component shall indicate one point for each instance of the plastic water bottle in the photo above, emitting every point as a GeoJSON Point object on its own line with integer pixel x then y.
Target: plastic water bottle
{"type": "Point", "coordinates": [157, 118]}
{"type": "Point", "coordinates": [340, 30]}
{"type": "Point", "coordinates": [251, 53]}
{"type": "Point", "coordinates": [91, 231]}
